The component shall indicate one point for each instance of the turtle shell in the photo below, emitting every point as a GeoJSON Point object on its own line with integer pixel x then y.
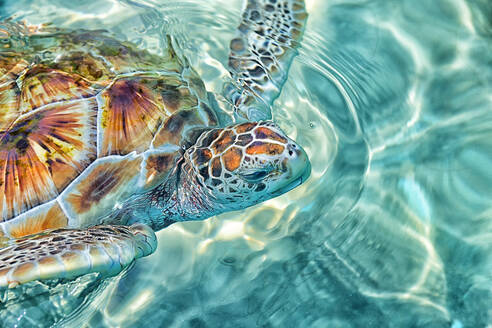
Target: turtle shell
{"type": "Point", "coordinates": [85, 122]}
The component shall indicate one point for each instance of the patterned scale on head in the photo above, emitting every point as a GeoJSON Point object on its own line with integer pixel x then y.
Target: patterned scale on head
{"type": "Point", "coordinates": [96, 134]}
{"type": "Point", "coordinates": [247, 163]}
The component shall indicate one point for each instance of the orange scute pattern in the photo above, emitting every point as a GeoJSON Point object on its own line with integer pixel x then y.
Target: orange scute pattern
{"type": "Point", "coordinates": [132, 111]}
{"type": "Point", "coordinates": [224, 141]}
{"type": "Point", "coordinates": [216, 167]}
{"type": "Point", "coordinates": [83, 64]}
{"type": "Point", "coordinates": [43, 218]}
{"type": "Point", "coordinates": [11, 67]}
{"type": "Point", "coordinates": [245, 127]}
{"type": "Point", "coordinates": [173, 131]}
{"type": "Point", "coordinates": [41, 86]}
{"type": "Point", "coordinates": [202, 156]}
{"type": "Point", "coordinates": [232, 158]}
{"type": "Point", "coordinates": [265, 148]}
{"type": "Point", "coordinates": [102, 186]}
{"type": "Point", "coordinates": [9, 104]}
{"type": "Point", "coordinates": [158, 164]}
{"type": "Point", "coordinates": [266, 133]}
{"type": "Point", "coordinates": [41, 153]}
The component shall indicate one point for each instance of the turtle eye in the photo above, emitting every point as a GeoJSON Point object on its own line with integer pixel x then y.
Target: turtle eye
{"type": "Point", "coordinates": [256, 175]}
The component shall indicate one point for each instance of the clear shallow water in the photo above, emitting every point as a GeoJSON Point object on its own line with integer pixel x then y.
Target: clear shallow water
{"type": "Point", "coordinates": [392, 101]}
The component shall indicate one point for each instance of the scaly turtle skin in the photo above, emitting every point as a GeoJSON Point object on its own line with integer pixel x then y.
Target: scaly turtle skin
{"type": "Point", "coordinates": [102, 143]}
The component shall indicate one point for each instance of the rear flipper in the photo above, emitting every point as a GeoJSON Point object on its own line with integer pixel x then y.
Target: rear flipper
{"type": "Point", "coordinates": [68, 253]}
{"type": "Point", "coordinates": [261, 53]}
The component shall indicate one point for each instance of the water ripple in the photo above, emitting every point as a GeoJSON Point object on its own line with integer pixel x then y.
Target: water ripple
{"type": "Point", "coordinates": [391, 101]}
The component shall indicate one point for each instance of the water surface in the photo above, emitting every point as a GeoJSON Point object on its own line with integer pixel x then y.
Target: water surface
{"type": "Point", "coordinates": [392, 101]}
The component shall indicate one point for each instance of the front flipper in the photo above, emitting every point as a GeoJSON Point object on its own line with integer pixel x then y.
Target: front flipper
{"type": "Point", "coordinates": [261, 53]}
{"type": "Point", "coordinates": [68, 253]}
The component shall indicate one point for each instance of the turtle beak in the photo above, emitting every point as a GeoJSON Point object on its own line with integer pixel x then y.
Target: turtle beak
{"type": "Point", "coordinates": [300, 165]}
{"type": "Point", "coordinates": [297, 168]}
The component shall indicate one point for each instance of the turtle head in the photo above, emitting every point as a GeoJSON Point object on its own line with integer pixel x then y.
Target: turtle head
{"type": "Point", "coordinates": [245, 164]}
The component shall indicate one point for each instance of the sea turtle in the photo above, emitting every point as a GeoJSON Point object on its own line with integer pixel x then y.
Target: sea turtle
{"type": "Point", "coordinates": [103, 143]}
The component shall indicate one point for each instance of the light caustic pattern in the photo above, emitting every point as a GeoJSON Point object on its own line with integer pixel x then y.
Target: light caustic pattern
{"type": "Point", "coordinates": [391, 101]}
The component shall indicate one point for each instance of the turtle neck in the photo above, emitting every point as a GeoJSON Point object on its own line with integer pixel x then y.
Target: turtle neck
{"type": "Point", "coordinates": [195, 202]}
{"type": "Point", "coordinates": [181, 197]}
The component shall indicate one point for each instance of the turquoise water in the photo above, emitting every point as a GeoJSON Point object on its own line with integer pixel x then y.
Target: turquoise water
{"type": "Point", "coordinates": [392, 101]}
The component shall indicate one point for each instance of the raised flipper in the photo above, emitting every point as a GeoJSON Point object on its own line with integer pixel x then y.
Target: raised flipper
{"type": "Point", "coordinates": [68, 253]}
{"type": "Point", "coordinates": [261, 52]}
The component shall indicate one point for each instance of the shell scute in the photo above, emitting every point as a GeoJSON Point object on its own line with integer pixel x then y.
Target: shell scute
{"type": "Point", "coordinates": [84, 64]}
{"type": "Point", "coordinates": [41, 218]}
{"type": "Point", "coordinates": [42, 152]}
{"type": "Point", "coordinates": [173, 130]}
{"type": "Point", "coordinates": [11, 67]}
{"type": "Point", "coordinates": [123, 56]}
{"type": "Point", "coordinates": [9, 104]}
{"type": "Point", "coordinates": [157, 165]}
{"type": "Point", "coordinates": [41, 86]}
{"type": "Point", "coordinates": [132, 109]}
{"type": "Point", "coordinates": [181, 127]}
{"type": "Point", "coordinates": [106, 183]}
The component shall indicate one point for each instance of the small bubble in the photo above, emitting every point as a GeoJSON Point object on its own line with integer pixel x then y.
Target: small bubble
{"type": "Point", "coordinates": [229, 260]}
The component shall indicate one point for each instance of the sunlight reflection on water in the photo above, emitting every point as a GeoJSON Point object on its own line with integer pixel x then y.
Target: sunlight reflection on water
{"type": "Point", "coordinates": [391, 101]}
